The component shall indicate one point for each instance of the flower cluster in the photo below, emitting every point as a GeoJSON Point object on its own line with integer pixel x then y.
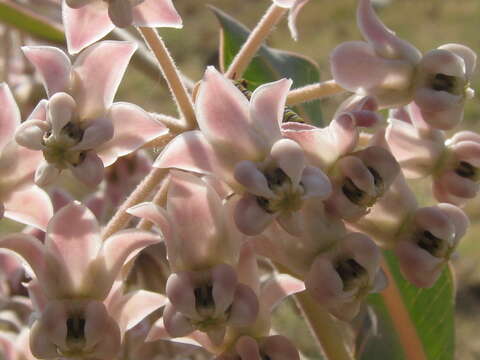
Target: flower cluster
{"type": "Point", "coordinates": [238, 211]}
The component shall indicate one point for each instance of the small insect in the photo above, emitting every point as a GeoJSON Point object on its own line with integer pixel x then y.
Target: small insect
{"type": "Point", "coordinates": [288, 115]}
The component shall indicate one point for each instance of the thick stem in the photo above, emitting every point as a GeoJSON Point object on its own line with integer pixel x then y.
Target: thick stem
{"type": "Point", "coordinates": [314, 92]}
{"type": "Point", "coordinates": [407, 334]}
{"type": "Point", "coordinates": [171, 74]}
{"type": "Point", "coordinates": [121, 217]}
{"type": "Point", "coordinates": [254, 41]}
{"type": "Point", "coordinates": [324, 328]}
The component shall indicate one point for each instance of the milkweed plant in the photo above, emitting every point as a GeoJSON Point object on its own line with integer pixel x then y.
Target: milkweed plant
{"type": "Point", "coordinates": [248, 199]}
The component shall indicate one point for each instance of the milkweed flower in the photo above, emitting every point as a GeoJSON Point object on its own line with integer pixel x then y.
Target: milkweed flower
{"type": "Point", "coordinates": [79, 127]}
{"type": "Point", "coordinates": [202, 249]}
{"type": "Point", "coordinates": [17, 167]}
{"type": "Point", "coordinates": [267, 171]}
{"type": "Point", "coordinates": [395, 72]}
{"type": "Point", "coordinates": [74, 273]}
{"type": "Point", "coordinates": [87, 21]}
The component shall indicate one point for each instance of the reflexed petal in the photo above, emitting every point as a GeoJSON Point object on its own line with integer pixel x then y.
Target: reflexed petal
{"type": "Point", "coordinates": [250, 218]}
{"type": "Point", "coordinates": [292, 17]}
{"type": "Point", "coordinates": [9, 115]}
{"type": "Point", "coordinates": [222, 121]}
{"type": "Point", "coordinates": [267, 106]}
{"type": "Point", "coordinates": [383, 40]}
{"type": "Point", "coordinates": [120, 12]}
{"type": "Point", "coordinates": [101, 331]}
{"type": "Point", "coordinates": [85, 25]}
{"type": "Point", "coordinates": [123, 245]}
{"type": "Point", "coordinates": [175, 322]}
{"type": "Point", "coordinates": [180, 292]}
{"type": "Point", "coordinates": [29, 248]}
{"type": "Point", "coordinates": [244, 308]}
{"type": "Point", "coordinates": [278, 288]}
{"type": "Point", "coordinates": [156, 13]}
{"type": "Point", "coordinates": [53, 65]}
{"type": "Point", "coordinates": [290, 158]}
{"type": "Point", "coordinates": [74, 247]}
{"type": "Point", "coordinates": [134, 127]}
{"type": "Point", "coordinates": [248, 175]}
{"type": "Point", "coordinates": [90, 171]}
{"type": "Point", "coordinates": [98, 72]}
{"type": "Point", "coordinates": [37, 213]}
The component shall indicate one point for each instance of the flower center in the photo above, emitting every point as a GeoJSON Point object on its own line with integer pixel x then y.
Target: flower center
{"type": "Point", "coordinates": [360, 197]}
{"type": "Point", "coordinates": [289, 198]}
{"type": "Point", "coordinates": [57, 148]}
{"type": "Point", "coordinates": [353, 274]}
{"type": "Point", "coordinates": [205, 306]}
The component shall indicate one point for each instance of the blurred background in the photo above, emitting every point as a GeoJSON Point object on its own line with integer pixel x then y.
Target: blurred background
{"type": "Point", "coordinates": [322, 25]}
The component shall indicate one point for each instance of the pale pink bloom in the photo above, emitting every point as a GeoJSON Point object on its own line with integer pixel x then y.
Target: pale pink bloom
{"type": "Point", "coordinates": [240, 141]}
{"type": "Point", "coordinates": [75, 273]}
{"type": "Point", "coordinates": [87, 21]}
{"type": "Point", "coordinates": [294, 7]}
{"type": "Point", "coordinates": [17, 167]}
{"type": "Point", "coordinates": [428, 242]}
{"type": "Point", "coordinates": [80, 128]}
{"type": "Point", "coordinates": [396, 73]}
{"type": "Point", "coordinates": [422, 151]}
{"type": "Point", "coordinates": [202, 249]}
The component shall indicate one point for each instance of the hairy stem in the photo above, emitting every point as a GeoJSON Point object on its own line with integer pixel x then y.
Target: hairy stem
{"type": "Point", "coordinates": [313, 92]}
{"type": "Point", "coordinates": [407, 334]}
{"type": "Point", "coordinates": [171, 74]}
{"type": "Point", "coordinates": [254, 41]}
{"type": "Point", "coordinates": [121, 217]}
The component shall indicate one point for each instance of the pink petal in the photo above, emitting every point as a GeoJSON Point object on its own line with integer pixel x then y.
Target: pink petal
{"type": "Point", "coordinates": [222, 112]}
{"type": "Point", "coordinates": [447, 119]}
{"type": "Point", "coordinates": [9, 115]}
{"type": "Point", "coordinates": [180, 291]}
{"type": "Point", "coordinates": [30, 134]}
{"type": "Point", "coordinates": [98, 328]}
{"type": "Point", "coordinates": [123, 245]}
{"type": "Point", "coordinates": [224, 282]}
{"type": "Point", "coordinates": [248, 175]}
{"type": "Point", "coordinates": [278, 288]}
{"type": "Point", "coordinates": [250, 218]}
{"type": "Point", "coordinates": [247, 348]}
{"type": "Point", "coordinates": [120, 12]}
{"type": "Point", "coordinates": [323, 282]}
{"type": "Point", "coordinates": [90, 171]}
{"type": "Point", "coordinates": [53, 65]}
{"type": "Point", "coordinates": [73, 247]}
{"type": "Point", "coordinates": [267, 106]}
{"type": "Point", "coordinates": [383, 40]}
{"type": "Point", "coordinates": [46, 174]}
{"type": "Point", "coordinates": [247, 267]}
{"type": "Point", "coordinates": [134, 127]}
{"type": "Point", "coordinates": [458, 218]}
{"type": "Point", "coordinates": [137, 305]}
{"type": "Point", "coordinates": [98, 132]}
{"type": "Point", "coordinates": [203, 236]}
{"type": "Point", "coordinates": [156, 13]}
{"type": "Point", "coordinates": [40, 111]}
{"type": "Point", "coordinates": [289, 156]}
{"type": "Point", "coordinates": [278, 347]}
{"type": "Point", "coordinates": [85, 25]}
{"type": "Point", "coordinates": [37, 213]}
{"type": "Point", "coordinates": [176, 324]}
{"type": "Point", "coordinates": [98, 71]}
{"type": "Point", "coordinates": [29, 248]}
{"type": "Point", "coordinates": [467, 150]}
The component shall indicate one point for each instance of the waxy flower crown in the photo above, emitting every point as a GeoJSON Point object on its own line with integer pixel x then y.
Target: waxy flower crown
{"type": "Point", "coordinates": [246, 206]}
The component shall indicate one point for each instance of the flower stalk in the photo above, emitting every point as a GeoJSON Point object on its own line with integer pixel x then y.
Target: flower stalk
{"type": "Point", "coordinates": [314, 92]}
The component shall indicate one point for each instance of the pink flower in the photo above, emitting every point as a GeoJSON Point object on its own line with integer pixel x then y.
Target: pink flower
{"type": "Point", "coordinates": [202, 249]}
{"type": "Point", "coordinates": [75, 273]}
{"type": "Point", "coordinates": [267, 171]}
{"type": "Point", "coordinates": [87, 21]}
{"type": "Point", "coordinates": [80, 128]}
{"type": "Point", "coordinates": [395, 72]}
{"type": "Point", "coordinates": [427, 244]}
{"type": "Point", "coordinates": [17, 166]}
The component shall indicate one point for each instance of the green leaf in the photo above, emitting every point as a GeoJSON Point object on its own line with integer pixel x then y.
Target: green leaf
{"type": "Point", "coordinates": [431, 311]}
{"type": "Point", "coordinates": [30, 22]}
{"type": "Point", "coordinates": [269, 64]}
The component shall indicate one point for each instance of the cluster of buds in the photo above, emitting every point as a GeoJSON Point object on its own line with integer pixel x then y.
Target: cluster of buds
{"type": "Point", "coordinates": [316, 205]}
